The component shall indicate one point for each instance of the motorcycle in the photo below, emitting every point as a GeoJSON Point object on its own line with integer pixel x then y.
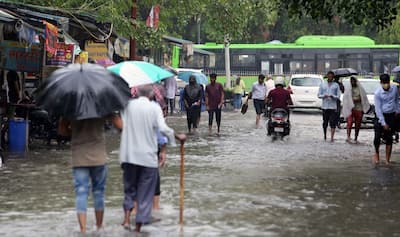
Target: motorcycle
{"type": "Point", "coordinates": [42, 126]}
{"type": "Point", "coordinates": [278, 124]}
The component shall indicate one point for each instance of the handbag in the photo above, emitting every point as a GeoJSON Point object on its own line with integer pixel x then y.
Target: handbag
{"type": "Point", "coordinates": [244, 108]}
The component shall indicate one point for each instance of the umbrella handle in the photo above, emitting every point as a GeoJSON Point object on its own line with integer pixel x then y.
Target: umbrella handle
{"type": "Point", "coordinates": [181, 183]}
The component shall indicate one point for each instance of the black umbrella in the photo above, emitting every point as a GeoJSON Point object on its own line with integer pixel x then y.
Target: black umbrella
{"type": "Point", "coordinates": [344, 72]}
{"type": "Point", "coordinates": [83, 91]}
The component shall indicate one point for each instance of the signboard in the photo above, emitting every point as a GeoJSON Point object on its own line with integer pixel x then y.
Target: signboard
{"type": "Point", "coordinates": [96, 50]}
{"type": "Point", "coordinates": [16, 56]}
{"type": "Point", "coordinates": [62, 57]}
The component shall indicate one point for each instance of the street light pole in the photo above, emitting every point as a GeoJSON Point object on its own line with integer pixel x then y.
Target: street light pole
{"type": "Point", "coordinates": [132, 50]}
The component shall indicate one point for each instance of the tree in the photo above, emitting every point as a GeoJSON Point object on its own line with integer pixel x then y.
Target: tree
{"type": "Point", "coordinates": [379, 13]}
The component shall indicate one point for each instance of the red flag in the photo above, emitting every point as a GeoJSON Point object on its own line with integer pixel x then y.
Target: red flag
{"type": "Point", "coordinates": [51, 37]}
{"type": "Point", "coordinates": [153, 17]}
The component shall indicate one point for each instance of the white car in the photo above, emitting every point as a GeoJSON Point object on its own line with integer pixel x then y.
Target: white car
{"type": "Point", "coordinates": [304, 90]}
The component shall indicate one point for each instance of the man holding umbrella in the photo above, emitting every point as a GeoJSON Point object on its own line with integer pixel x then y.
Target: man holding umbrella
{"type": "Point", "coordinates": [83, 95]}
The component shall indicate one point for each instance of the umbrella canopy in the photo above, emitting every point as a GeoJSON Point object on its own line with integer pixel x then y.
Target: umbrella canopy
{"type": "Point", "coordinates": [396, 69]}
{"type": "Point", "coordinates": [137, 73]}
{"type": "Point", "coordinates": [200, 77]}
{"type": "Point", "coordinates": [344, 72]}
{"type": "Point", "coordinates": [170, 69]}
{"type": "Point", "coordinates": [82, 91]}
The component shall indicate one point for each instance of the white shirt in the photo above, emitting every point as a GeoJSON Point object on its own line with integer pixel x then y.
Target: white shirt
{"type": "Point", "coordinates": [270, 84]}
{"type": "Point", "coordinates": [141, 120]}
{"type": "Point", "coordinates": [170, 87]}
{"type": "Point", "coordinates": [258, 91]}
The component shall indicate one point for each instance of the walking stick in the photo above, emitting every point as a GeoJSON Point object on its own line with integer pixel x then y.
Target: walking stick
{"type": "Point", "coordinates": [181, 184]}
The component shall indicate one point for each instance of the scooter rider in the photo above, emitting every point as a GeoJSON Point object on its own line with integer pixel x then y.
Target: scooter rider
{"type": "Point", "coordinates": [279, 97]}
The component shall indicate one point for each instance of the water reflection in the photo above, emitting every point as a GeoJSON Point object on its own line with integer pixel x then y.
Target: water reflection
{"type": "Point", "coordinates": [239, 183]}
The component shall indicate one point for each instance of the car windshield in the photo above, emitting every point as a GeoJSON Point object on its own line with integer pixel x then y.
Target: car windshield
{"type": "Point", "coordinates": [369, 86]}
{"type": "Point", "coordinates": [306, 81]}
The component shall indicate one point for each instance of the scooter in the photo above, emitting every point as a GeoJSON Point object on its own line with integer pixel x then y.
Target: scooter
{"type": "Point", "coordinates": [278, 124]}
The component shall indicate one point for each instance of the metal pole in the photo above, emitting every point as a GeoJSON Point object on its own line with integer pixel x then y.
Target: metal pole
{"type": "Point", "coordinates": [132, 51]}
{"type": "Point", "coordinates": [181, 184]}
{"type": "Point", "coordinates": [227, 62]}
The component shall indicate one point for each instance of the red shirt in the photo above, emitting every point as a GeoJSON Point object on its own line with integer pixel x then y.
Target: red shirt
{"type": "Point", "coordinates": [214, 93]}
{"type": "Point", "coordinates": [279, 98]}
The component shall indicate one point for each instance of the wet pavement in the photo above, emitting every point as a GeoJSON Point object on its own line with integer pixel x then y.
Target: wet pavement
{"type": "Point", "coordinates": [238, 183]}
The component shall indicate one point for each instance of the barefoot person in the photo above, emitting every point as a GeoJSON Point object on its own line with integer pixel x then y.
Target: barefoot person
{"type": "Point", "coordinates": [138, 154]}
{"type": "Point", "coordinates": [88, 164]}
{"type": "Point", "coordinates": [214, 101]}
{"type": "Point", "coordinates": [386, 107]}
{"type": "Point", "coordinates": [329, 92]}
{"type": "Point", "coordinates": [355, 103]}
{"type": "Point", "coordinates": [258, 93]}
{"type": "Point", "coordinates": [192, 96]}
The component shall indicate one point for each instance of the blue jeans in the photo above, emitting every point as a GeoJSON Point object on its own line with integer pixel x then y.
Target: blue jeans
{"type": "Point", "coordinates": [237, 101]}
{"type": "Point", "coordinates": [98, 176]}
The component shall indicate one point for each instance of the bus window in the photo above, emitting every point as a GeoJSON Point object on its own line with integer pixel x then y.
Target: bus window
{"type": "Point", "coordinates": [301, 66]}
{"type": "Point", "coordinates": [278, 68]}
{"type": "Point", "coordinates": [265, 67]}
{"type": "Point", "coordinates": [326, 65]}
{"type": "Point", "coordinates": [243, 60]}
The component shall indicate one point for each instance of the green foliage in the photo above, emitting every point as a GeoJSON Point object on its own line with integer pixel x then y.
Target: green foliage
{"type": "Point", "coordinates": [380, 13]}
{"type": "Point", "coordinates": [246, 21]}
{"type": "Point", "coordinates": [390, 35]}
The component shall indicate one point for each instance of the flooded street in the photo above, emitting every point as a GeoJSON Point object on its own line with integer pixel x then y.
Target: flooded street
{"type": "Point", "coordinates": [240, 183]}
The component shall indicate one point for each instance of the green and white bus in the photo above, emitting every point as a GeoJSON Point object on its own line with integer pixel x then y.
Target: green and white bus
{"type": "Point", "coordinates": [308, 54]}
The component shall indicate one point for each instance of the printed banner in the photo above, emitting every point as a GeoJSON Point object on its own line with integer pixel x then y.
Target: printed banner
{"type": "Point", "coordinates": [15, 56]}
{"type": "Point", "coordinates": [96, 50]}
{"type": "Point", "coordinates": [62, 57]}
{"type": "Point", "coordinates": [51, 37]}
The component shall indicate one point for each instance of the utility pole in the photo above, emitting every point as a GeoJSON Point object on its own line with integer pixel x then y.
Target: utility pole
{"type": "Point", "coordinates": [132, 50]}
{"type": "Point", "coordinates": [198, 20]}
{"type": "Point", "coordinates": [227, 61]}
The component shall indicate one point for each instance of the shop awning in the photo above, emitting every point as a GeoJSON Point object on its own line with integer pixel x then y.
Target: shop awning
{"type": "Point", "coordinates": [202, 51]}
{"type": "Point", "coordinates": [6, 17]}
{"type": "Point", "coordinates": [176, 40]}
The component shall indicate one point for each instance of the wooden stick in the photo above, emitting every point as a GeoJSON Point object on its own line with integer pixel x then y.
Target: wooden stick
{"type": "Point", "coordinates": [181, 184]}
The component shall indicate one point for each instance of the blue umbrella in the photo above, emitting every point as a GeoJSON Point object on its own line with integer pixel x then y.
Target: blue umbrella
{"type": "Point", "coordinates": [200, 77]}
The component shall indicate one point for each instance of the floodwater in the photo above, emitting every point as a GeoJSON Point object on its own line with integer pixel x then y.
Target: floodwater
{"type": "Point", "coordinates": [240, 183]}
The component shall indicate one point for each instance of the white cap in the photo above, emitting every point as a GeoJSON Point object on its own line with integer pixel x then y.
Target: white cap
{"type": "Point", "coordinates": [279, 81]}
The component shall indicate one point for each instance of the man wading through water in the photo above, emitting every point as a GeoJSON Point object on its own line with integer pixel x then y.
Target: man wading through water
{"type": "Point", "coordinates": [329, 92]}
{"type": "Point", "coordinates": [214, 101]}
{"type": "Point", "coordinates": [192, 96]}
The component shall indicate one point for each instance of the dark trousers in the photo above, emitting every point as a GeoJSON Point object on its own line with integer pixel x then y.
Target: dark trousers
{"type": "Point", "coordinates": [217, 116]}
{"type": "Point", "coordinates": [139, 185]}
{"type": "Point", "coordinates": [192, 114]}
{"type": "Point", "coordinates": [329, 116]}
{"type": "Point", "coordinates": [158, 185]}
{"type": "Point", "coordinates": [387, 135]}
{"type": "Point", "coordinates": [171, 104]}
